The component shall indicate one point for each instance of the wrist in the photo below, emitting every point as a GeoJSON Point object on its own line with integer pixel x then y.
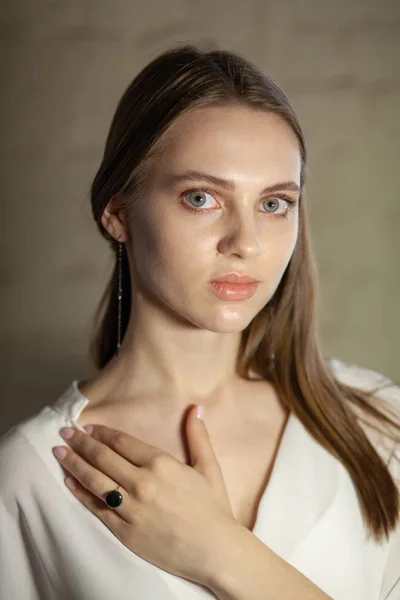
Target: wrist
{"type": "Point", "coordinates": [225, 554]}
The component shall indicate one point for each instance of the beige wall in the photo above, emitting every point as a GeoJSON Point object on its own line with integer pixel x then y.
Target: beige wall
{"type": "Point", "coordinates": [64, 66]}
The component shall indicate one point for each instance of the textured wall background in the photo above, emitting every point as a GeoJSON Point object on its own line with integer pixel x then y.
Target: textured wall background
{"type": "Point", "coordinates": [64, 66]}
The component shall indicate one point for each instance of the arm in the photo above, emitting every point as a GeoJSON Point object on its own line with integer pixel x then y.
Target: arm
{"type": "Point", "coordinates": [21, 574]}
{"type": "Point", "coordinates": [247, 569]}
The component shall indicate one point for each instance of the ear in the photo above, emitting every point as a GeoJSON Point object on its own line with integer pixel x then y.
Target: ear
{"type": "Point", "coordinates": [114, 221]}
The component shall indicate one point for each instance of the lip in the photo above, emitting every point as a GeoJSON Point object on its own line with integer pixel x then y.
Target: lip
{"type": "Point", "coordinates": [234, 291]}
{"type": "Point", "coordinates": [234, 278]}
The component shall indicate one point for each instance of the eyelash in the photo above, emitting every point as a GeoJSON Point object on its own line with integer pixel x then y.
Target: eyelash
{"type": "Point", "coordinates": [292, 203]}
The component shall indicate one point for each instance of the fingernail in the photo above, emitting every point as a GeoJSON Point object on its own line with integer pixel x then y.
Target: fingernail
{"type": "Point", "coordinates": [200, 412]}
{"type": "Point", "coordinates": [88, 428]}
{"type": "Point", "coordinates": [67, 432]}
{"type": "Point", "coordinates": [71, 483]}
{"type": "Point", "coordinates": [59, 452]}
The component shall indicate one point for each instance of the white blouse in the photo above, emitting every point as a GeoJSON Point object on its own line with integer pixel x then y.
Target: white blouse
{"type": "Point", "coordinates": [53, 548]}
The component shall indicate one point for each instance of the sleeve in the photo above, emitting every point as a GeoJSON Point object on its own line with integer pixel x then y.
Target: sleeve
{"type": "Point", "coordinates": [389, 391]}
{"type": "Point", "coordinates": [22, 576]}
{"type": "Point", "coordinates": [390, 589]}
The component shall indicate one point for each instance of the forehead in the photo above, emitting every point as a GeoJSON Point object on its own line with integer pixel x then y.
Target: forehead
{"type": "Point", "coordinates": [232, 139]}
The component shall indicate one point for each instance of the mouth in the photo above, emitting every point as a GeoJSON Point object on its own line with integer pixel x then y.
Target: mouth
{"type": "Point", "coordinates": [241, 278]}
{"type": "Point", "coordinates": [226, 290]}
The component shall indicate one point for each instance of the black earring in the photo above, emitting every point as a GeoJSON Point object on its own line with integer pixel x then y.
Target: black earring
{"type": "Point", "coordinates": [272, 351]}
{"type": "Point", "coordinates": [119, 294]}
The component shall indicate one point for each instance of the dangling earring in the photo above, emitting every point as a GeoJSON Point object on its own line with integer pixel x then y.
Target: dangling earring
{"type": "Point", "coordinates": [272, 363]}
{"type": "Point", "coordinates": [119, 294]}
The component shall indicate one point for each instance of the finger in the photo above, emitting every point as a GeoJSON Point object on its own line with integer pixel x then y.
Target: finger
{"type": "Point", "coordinates": [201, 449]}
{"type": "Point", "coordinates": [111, 518]}
{"type": "Point", "coordinates": [95, 482]}
{"type": "Point", "coordinates": [103, 458]}
{"type": "Point", "coordinates": [204, 458]}
{"type": "Point", "coordinates": [134, 450]}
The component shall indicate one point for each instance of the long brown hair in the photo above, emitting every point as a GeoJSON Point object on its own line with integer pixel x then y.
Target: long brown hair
{"type": "Point", "coordinates": [183, 78]}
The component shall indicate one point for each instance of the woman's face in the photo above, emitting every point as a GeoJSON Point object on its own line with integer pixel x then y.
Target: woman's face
{"type": "Point", "coordinates": [181, 237]}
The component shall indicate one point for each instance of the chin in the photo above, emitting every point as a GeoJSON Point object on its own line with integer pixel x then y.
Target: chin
{"type": "Point", "coordinates": [229, 319]}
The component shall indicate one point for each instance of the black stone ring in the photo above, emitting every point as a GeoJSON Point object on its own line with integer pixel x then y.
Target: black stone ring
{"type": "Point", "coordinates": [113, 498]}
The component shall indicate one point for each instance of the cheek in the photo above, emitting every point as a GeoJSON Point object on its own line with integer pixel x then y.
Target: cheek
{"type": "Point", "coordinates": [287, 242]}
{"type": "Point", "coordinates": [279, 249]}
{"type": "Point", "coordinates": [166, 253]}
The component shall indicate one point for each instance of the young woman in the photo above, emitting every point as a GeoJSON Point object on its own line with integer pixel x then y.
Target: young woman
{"type": "Point", "coordinates": [289, 487]}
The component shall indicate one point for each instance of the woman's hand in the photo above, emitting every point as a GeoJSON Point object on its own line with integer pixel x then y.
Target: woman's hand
{"type": "Point", "coordinates": [172, 515]}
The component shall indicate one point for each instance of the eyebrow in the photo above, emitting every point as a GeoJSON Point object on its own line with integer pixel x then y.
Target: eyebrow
{"type": "Point", "coordinates": [172, 179]}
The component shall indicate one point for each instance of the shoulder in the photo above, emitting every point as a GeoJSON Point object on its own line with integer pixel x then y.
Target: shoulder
{"type": "Point", "coordinates": [364, 378]}
{"type": "Point", "coordinates": [14, 450]}
{"type": "Point", "coordinates": [25, 455]}
{"type": "Point", "coordinates": [383, 387]}
{"type": "Point", "coordinates": [387, 393]}
{"type": "Point", "coordinates": [17, 465]}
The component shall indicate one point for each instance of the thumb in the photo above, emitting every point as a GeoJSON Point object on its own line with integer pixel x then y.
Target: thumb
{"type": "Point", "coordinates": [202, 454]}
{"type": "Point", "coordinates": [201, 451]}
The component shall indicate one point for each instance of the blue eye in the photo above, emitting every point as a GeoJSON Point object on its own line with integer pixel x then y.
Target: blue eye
{"type": "Point", "coordinates": [199, 201]}
{"type": "Point", "coordinates": [196, 196]}
{"type": "Point", "coordinates": [270, 201]}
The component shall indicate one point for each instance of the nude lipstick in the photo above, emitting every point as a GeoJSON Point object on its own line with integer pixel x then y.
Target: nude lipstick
{"type": "Point", "coordinates": [234, 286]}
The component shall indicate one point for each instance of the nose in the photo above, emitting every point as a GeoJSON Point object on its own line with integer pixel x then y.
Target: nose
{"type": "Point", "coordinates": [242, 239]}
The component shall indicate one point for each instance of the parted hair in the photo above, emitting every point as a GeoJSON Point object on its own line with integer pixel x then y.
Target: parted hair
{"type": "Point", "coordinates": [187, 77]}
